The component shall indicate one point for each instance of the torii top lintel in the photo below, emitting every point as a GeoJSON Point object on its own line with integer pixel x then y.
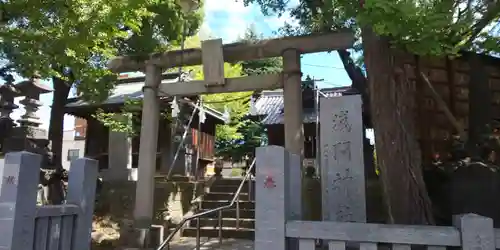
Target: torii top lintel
{"type": "Point", "coordinates": [235, 52]}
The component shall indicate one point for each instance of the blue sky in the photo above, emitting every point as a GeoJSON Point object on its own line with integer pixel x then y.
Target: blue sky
{"type": "Point", "coordinates": [228, 19]}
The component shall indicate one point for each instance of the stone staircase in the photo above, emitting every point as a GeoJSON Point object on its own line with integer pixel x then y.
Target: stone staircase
{"type": "Point", "coordinates": [221, 193]}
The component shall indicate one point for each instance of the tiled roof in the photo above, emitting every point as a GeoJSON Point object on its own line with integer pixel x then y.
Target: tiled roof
{"type": "Point", "coordinates": [270, 105]}
{"type": "Point", "coordinates": [122, 92]}
{"type": "Point", "coordinates": [133, 90]}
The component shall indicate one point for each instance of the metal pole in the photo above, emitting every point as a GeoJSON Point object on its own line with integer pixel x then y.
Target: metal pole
{"type": "Point", "coordinates": [249, 193]}
{"type": "Point", "coordinates": [238, 212]}
{"type": "Point", "coordinates": [198, 234]}
{"type": "Point", "coordinates": [316, 109]}
{"type": "Point", "coordinates": [220, 226]}
{"type": "Point", "coordinates": [198, 229]}
{"type": "Point", "coordinates": [198, 141]}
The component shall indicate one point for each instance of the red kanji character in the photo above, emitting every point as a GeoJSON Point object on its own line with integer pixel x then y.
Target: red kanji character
{"type": "Point", "coordinates": [269, 182]}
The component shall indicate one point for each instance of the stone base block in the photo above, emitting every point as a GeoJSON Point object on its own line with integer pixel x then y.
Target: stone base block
{"type": "Point", "coordinates": [29, 132]}
{"type": "Point", "coordinates": [14, 144]}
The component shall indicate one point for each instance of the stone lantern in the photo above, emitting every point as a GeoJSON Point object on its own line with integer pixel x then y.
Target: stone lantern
{"type": "Point", "coordinates": [28, 136]}
{"type": "Point", "coordinates": [7, 94]}
{"type": "Point", "coordinates": [32, 89]}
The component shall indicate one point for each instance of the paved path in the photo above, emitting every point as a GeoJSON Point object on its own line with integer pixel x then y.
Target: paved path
{"type": "Point", "coordinates": [209, 244]}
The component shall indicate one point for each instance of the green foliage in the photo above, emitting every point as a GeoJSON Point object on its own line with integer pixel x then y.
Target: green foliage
{"type": "Point", "coordinates": [239, 139]}
{"type": "Point", "coordinates": [261, 66]}
{"type": "Point", "coordinates": [116, 122]}
{"type": "Point", "coordinates": [235, 103]}
{"type": "Point", "coordinates": [128, 120]}
{"type": "Point", "coordinates": [73, 40]}
{"type": "Point", "coordinates": [375, 162]}
{"type": "Point", "coordinates": [132, 108]}
{"type": "Point", "coordinates": [424, 27]}
{"type": "Point", "coordinates": [125, 121]}
{"type": "Point", "coordinates": [249, 136]}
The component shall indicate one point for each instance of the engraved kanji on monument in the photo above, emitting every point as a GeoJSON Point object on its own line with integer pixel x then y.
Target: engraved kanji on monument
{"type": "Point", "coordinates": [342, 168]}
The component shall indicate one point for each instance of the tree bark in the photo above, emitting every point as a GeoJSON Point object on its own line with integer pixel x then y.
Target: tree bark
{"type": "Point", "coordinates": [54, 189]}
{"type": "Point", "coordinates": [392, 103]}
{"type": "Point", "coordinates": [61, 92]}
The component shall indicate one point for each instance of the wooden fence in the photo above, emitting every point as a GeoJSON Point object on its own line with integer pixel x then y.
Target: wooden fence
{"type": "Point", "coordinates": [24, 225]}
{"type": "Point", "coordinates": [278, 224]}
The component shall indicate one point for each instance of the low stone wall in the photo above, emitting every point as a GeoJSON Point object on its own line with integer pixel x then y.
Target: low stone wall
{"type": "Point", "coordinates": [174, 199]}
{"type": "Point", "coordinates": [115, 206]}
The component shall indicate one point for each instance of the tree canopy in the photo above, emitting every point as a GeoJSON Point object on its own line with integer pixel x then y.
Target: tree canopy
{"type": "Point", "coordinates": [430, 27]}
{"type": "Point", "coordinates": [261, 66]}
{"type": "Point", "coordinates": [421, 27]}
{"type": "Point", "coordinates": [70, 43]}
{"type": "Point", "coordinates": [73, 40]}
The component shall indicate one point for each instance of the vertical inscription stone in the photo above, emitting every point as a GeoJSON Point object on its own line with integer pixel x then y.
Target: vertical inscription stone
{"type": "Point", "coordinates": [342, 168]}
{"type": "Point", "coordinates": [272, 184]}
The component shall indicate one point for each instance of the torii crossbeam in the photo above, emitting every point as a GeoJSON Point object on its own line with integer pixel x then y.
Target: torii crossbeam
{"type": "Point", "coordinates": [213, 55]}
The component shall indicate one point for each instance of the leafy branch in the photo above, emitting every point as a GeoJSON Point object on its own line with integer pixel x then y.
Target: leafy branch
{"type": "Point", "coordinates": [128, 120]}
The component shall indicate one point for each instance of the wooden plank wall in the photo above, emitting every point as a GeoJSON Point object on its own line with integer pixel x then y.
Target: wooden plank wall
{"type": "Point", "coordinates": [207, 144]}
{"type": "Point", "coordinates": [450, 78]}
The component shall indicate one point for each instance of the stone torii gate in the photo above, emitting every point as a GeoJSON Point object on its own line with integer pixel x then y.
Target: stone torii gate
{"type": "Point", "coordinates": [212, 56]}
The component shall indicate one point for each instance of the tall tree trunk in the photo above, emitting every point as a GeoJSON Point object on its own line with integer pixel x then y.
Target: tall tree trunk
{"type": "Point", "coordinates": [360, 83]}
{"type": "Point", "coordinates": [54, 189]}
{"type": "Point", "coordinates": [392, 101]}
{"type": "Point", "coordinates": [61, 91]}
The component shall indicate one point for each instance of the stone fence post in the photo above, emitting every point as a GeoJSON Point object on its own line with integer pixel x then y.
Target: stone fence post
{"type": "Point", "coordinates": [18, 190]}
{"type": "Point", "coordinates": [82, 184]}
{"type": "Point", "coordinates": [476, 231]}
{"type": "Point", "coordinates": [278, 196]}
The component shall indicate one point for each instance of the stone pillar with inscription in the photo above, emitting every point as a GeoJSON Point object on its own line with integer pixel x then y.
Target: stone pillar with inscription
{"type": "Point", "coordinates": [342, 164]}
{"type": "Point", "coordinates": [278, 197]}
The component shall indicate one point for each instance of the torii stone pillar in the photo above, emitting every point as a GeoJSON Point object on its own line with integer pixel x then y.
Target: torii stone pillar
{"type": "Point", "coordinates": [143, 209]}
{"type": "Point", "coordinates": [292, 99]}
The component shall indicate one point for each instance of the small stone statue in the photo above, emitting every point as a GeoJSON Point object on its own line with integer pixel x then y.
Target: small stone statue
{"type": "Point", "coordinates": [53, 180]}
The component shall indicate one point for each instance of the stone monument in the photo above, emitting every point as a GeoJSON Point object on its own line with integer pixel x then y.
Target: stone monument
{"type": "Point", "coordinates": [342, 164]}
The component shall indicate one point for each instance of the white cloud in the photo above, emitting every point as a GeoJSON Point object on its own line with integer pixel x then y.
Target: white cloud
{"type": "Point", "coordinates": [205, 32]}
{"type": "Point", "coordinates": [235, 30]}
{"type": "Point", "coordinates": [227, 19]}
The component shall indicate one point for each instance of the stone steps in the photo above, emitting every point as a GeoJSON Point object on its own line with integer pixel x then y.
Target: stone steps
{"type": "Point", "coordinates": [206, 204]}
{"type": "Point", "coordinates": [248, 223]}
{"type": "Point", "coordinates": [227, 232]}
{"type": "Point", "coordinates": [221, 193]}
